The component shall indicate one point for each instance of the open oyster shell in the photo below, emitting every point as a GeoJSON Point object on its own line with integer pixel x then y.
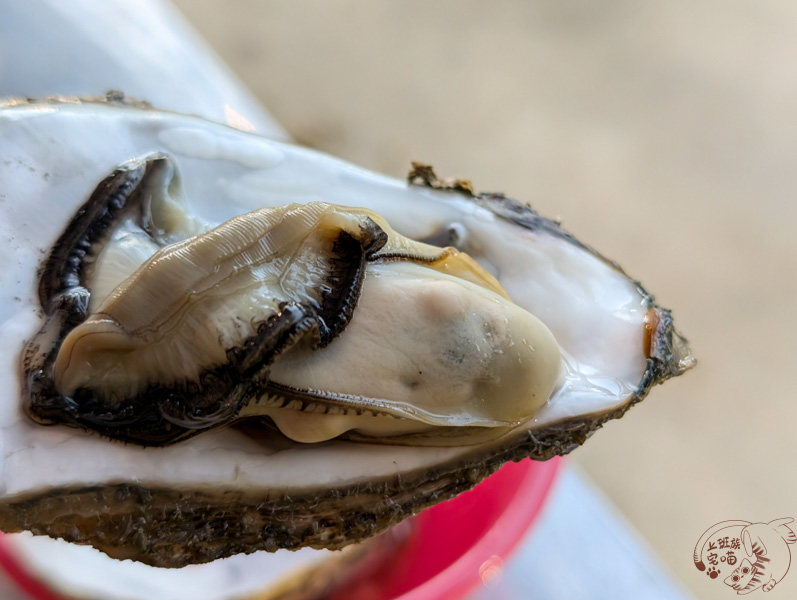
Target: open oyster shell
{"type": "Point", "coordinates": [230, 490]}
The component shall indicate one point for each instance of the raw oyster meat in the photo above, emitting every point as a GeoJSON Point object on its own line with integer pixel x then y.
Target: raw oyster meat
{"type": "Point", "coordinates": [251, 485]}
{"type": "Point", "coordinates": [194, 337]}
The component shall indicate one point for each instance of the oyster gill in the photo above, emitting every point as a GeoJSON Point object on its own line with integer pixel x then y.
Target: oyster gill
{"type": "Point", "coordinates": [225, 492]}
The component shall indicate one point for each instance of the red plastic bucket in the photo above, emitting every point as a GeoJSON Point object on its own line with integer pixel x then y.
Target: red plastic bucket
{"type": "Point", "coordinates": [460, 544]}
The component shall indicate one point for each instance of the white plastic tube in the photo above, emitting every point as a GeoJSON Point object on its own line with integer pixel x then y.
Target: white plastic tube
{"type": "Point", "coordinates": [144, 48]}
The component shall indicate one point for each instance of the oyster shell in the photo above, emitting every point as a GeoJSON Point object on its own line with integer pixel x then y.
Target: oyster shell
{"type": "Point", "coordinates": [229, 490]}
{"type": "Point", "coordinates": [81, 572]}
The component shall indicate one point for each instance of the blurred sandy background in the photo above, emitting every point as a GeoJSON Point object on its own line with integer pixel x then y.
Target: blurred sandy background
{"type": "Point", "coordinates": [662, 133]}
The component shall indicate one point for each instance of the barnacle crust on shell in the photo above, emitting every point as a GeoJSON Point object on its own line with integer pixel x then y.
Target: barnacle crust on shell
{"type": "Point", "coordinates": [248, 485]}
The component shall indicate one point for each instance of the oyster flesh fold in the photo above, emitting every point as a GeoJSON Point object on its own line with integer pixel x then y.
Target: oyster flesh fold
{"type": "Point", "coordinates": [324, 330]}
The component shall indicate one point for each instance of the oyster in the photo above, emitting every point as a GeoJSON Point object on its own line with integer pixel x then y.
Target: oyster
{"type": "Point", "coordinates": [242, 488]}
{"type": "Point", "coordinates": [189, 340]}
